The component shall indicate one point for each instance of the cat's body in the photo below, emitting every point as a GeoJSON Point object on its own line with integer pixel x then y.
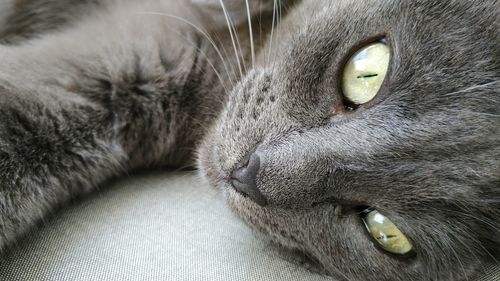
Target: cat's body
{"type": "Point", "coordinates": [93, 89]}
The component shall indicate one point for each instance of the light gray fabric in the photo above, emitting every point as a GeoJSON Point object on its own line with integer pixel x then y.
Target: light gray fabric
{"type": "Point", "coordinates": [162, 226]}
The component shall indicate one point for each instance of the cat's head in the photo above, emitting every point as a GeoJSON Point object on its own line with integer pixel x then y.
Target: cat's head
{"type": "Point", "coordinates": [300, 157]}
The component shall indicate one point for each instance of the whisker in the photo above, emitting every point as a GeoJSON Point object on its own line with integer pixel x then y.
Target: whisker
{"type": "Point", "coordinates": [462, 267]}
{"type": "Point", "coordinates": [485, 221]}
{"type": "Point", "coordinates": [217, 73]}
{"type": "Point", "coordinates": [233, 75]}
{"type": "Point", "coordinates": [229, 26]}
{"type": "Point", "coordinates": [491, 224]}
{"type": "Point", "coordinates": [260, 22]}
{"type": "Point", "coordinates": [473, 113]}
{"type": "Point", "coordinates": [204, 33]}
{"type": "Point", "coordinates": [268, 59]}
{"type": "Point", "coordinates": [238, 43]}
{"type": "Point", "coordinates": [250, 28]}
{"type": "Point", "coordinates": [280, 6]}
{"type": "Point", "coordinates": [474, 87]}
{"type": "Point", "coordinates": [275, 23]}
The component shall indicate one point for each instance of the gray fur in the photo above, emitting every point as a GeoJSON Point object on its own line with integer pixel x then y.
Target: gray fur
{"type": "Point", "coordinates": [5, 10]}
{"type": "Point", "coordinates": [425, 152]}
{"type": "Point", "coordinates": [115, 92]}
{"type": "Point", "coordinates": [92, 90]}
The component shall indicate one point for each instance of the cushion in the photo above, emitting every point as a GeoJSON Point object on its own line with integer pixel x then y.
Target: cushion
{"type": "Point", "coordinates": [157, 226]}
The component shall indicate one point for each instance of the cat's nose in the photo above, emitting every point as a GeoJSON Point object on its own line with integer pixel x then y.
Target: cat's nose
{"type": "Point", "coordinates": [244, 180]}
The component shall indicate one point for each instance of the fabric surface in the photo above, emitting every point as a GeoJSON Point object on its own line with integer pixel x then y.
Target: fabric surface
{"type": "Point", "coordinates": [160, 226]}
{"type": "Point", "coordinates": [163, 226]}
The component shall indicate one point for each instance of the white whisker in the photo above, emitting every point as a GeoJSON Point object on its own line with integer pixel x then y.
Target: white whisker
{"type": "Point", "coordinates": [272, 32]}
{"type": "Point", "coordinates": [233, 75]}
{"type": "Point", "coordinates": [472, 241]}
{"type": "Point", "coordinates": [275, 23]}
{"type": "Point", "coordinates": [474, 87]}
{"type": "Point", "coordinates": [204, 33]}
{"type": "Point", "coordinates": [230, 28]}
{"type": "Point", "coordinates": [238, 43]}
{"type": "Point", "coordinates": [252, 47]}
{"type": "Point", "coordinates": [208, 61]}
{"type": "Point", "coordinates": [462, 267]}
{"type": "Point", "coordinates": [472, 113]}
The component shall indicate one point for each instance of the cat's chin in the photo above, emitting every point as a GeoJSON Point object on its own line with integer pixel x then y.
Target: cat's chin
{"type": "Point", "coordinates": [277, 224]}
{"type": "Point", "coordinates": [283, 226]}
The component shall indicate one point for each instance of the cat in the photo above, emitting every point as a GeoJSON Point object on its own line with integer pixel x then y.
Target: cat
{"type": "Point", "coordinates": [403, 184]}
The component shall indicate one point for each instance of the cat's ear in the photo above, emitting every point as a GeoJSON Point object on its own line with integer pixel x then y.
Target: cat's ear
{"type": "Point", "coordinates": [236, 10]}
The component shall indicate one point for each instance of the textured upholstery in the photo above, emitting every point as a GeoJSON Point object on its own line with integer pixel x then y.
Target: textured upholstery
{"type": "Point", "coordinates": [163, 226]}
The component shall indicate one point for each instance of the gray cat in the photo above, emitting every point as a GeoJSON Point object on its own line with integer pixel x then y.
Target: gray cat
{"type": "Point", "coordinates": [364, 134]}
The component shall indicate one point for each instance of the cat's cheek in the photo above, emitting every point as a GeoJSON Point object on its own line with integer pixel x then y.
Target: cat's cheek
{"type": "Point", "coordinates": [331, 244]}
{"type": "Point", "coordinates": [209, 158]}
{"type": "Point", "coordinates": [276, 224]}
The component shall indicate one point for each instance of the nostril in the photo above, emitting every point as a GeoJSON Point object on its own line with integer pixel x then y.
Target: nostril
{"type": "Point", "coordinates": [247, 174]}
{"type": "Point", "coordinates": [244, 180]}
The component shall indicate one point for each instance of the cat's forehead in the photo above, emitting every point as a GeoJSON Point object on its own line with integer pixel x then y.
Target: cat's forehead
{"type": "Point", "coordinates": [428, 39]}
{"type": "Point", "coordinates": [341, 25]}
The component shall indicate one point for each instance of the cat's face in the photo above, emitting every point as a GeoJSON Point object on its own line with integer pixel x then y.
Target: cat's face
{"type": "Point", "coordinates": [424, 152]}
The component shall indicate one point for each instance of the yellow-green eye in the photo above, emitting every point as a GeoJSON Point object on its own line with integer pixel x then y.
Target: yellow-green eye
{"type": "Point", "coordinates": [387, 235]}
{"type": "Point", "coordinates": [365, 72]}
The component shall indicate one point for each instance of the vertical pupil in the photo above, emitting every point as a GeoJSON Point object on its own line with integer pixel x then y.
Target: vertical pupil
{"type": "Point", "coordinates": [367, 76]}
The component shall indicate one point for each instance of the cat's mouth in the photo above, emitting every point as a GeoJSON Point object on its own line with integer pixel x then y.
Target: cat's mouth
{"type": "Point", "coordinates": [269, 220]}
{"type": "Point", "coordinates": [273, 221]}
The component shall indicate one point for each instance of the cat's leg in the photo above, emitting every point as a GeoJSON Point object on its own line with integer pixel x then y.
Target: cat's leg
{"type": "Point", "coordinates": [58, 140]}
{"type": "Point", "coordinates": [129, 87]}
{"type": "Point", "coordinates": [50, 151]}
{"type": "Point", "coordinates": [83, 106]}
{"type": "Point", "coordinates": [61, 133]}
